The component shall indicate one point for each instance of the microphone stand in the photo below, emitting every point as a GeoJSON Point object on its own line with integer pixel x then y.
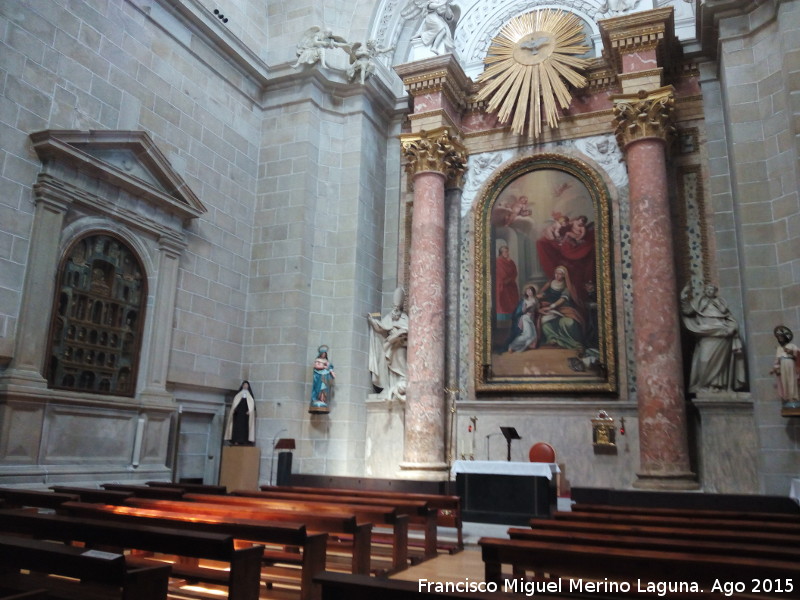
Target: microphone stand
{"type": "Point", "coordinates": [487, 443]}
{"type": "Point", "coordinates": [272, 460]}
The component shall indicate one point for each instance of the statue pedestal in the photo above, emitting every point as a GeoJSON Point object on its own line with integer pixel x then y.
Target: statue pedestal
{"type": "Point", "coordinates": [384, 450]}
{"type": "Point", "coordinates": [240, 465]}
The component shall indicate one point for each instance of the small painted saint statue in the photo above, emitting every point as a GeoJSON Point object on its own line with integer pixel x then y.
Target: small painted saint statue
{"type": "Point", "coordinates": [787, 368]}
{"type": "Point", "coordinates": [322, 387]}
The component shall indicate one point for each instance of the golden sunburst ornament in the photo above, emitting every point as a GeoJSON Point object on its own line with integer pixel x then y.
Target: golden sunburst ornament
{"type": "Point", "coordinates": [527, 64]}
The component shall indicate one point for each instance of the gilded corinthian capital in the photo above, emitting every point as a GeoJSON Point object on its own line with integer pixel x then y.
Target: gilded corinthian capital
{"type": "Point", "coordinates": [436, 150]}
{"type": "Point", "coordinates": [644, 115]}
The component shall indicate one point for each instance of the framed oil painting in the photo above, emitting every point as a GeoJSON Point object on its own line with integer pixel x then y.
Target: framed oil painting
{"type": "Point", "coordinates": [544, 309]}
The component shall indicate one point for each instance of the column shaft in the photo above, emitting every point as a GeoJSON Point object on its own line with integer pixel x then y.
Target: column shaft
{"type": "Point", "coordinates": [426, 330]}
{"type": "Point", "coordinates": [643, 130]}
{"type": "Point", "coordinates": [662, 415]}
{"type": "Point", "coordinates": [433, 159]}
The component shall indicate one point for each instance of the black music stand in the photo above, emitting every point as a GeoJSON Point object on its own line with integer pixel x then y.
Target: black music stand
{"type": "Point", "coordinates": [510, 434]}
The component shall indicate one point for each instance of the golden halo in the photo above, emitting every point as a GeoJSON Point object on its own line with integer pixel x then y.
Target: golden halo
{"type": "Point", "coordinates": [527, 65]}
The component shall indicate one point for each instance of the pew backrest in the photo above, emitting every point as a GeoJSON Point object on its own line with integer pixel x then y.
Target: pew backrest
{"type": "Point", "coordinates": [90, 566]}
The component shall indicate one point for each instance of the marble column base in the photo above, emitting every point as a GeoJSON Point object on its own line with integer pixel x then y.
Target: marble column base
{"type": "Point", "coordinates": [437, 471]}
{"type": "Point", "coordinates": [673, 482]}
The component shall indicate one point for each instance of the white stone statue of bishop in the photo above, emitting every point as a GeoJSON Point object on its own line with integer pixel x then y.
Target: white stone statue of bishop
{"type": "Point", "coordinates": [388, 349]}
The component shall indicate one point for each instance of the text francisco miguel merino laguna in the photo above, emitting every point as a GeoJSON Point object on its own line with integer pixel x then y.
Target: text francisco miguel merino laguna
{"type": "Point", "coordinates": [530, 588]}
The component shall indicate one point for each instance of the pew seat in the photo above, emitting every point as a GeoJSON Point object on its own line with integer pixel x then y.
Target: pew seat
{"type": "Point", "coordinates": [292, 555]}
{"type": "Point", "coordinates": [448, 507]}
{"type": "Point", "coordinates": [240, 566]}
{"type": "Point", "coordinates": [337, 525]}
{"type": "Point", "coordinates": [71, 573]}
{"type": "Point", "coordinates": [559, 561]}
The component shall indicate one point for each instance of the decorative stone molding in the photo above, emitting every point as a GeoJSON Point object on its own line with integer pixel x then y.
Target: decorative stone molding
{"type": "Point", "coordinates": [644, 115]}
{"type": "Point", "coordinates": [599, 76]}
{"type": "Point", "coordinates": [639, 32]}
{"type": "Point", "coordinates": [441, 74]}
{"type": "Point", "coordinates": [128, 160]}
{"type": "Point", "coordinates": [438, 150]}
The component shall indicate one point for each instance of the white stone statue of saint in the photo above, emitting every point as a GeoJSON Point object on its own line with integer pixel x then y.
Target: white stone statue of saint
{"type": "Point", "coordinates": [718, 361]}
{"type": "Point", "coordinates": [435, 32]}
{"type": "Point", "coordinates": [388, 350]}
{"type": "Point", "coordinates": [618, 7]}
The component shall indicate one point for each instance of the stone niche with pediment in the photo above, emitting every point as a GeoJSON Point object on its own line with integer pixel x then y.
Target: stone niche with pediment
{"type": "Point", "coordinates": [95, 185]}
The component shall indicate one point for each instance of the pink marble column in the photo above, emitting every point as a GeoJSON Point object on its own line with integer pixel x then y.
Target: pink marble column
{"type": "Point", "coordinates": [432, 159]}
{"type": "Point", "coordinates": [644, 127]}
{"type": "Point", "coordinates": [425, 417]}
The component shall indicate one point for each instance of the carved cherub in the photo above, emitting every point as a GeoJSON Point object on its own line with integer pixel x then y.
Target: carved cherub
{"type": "Point", "coordinates": [362, 59]}
{"type": "Point", "coordinates": [315, 42]}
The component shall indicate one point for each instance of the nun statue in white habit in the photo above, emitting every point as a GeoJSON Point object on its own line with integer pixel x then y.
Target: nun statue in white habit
{"type": "Point", "coordinates": [240, 429]}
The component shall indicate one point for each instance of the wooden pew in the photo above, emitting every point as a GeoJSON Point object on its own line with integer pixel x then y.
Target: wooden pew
{"type": "Point", "coordinates": [6, 594]}
{"type": "Point", "coordinates": [605, 563]}
{"type": "Point", "coordinates": [686, 533]}
{"type": "Point", "coordinates": [665, 521]}
{"type": "Point", "coordinates": [652, 542]}
{"type": "Point", "coordinates": [195, 488]}
{"type": "Point", "coordinates": [687, 513]}
{"type": "Point", "coordinates": [286, 543]}
{"type": "Point", "coordinates": [101, 574]}
{"type": "Point", "coordinates": [146, 491]}
{"type": "Point", "coordinates": [93, 494]}
{"type": "Point", "coordinates": [375, 514]}
{"type": "Point", "coordinates": [341, 586]}
{"type": "Point", "coordinates": [448, 508]}
{"type": "Point", "coordinates": [334, 524]}
{"type": "Point", "coordinates": [242, 577]}
{"type": "Point", "coordinates": [419, 513]}
{"type": "Point", "coordinates": [17, 498]}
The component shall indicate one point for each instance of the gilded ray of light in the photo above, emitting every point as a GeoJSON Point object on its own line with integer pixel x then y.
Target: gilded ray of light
{"type": "Point", "coordinates": [528, 67]}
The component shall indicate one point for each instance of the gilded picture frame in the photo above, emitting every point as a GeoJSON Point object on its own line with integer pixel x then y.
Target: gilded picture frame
{"type": "Point", "coordinates": [544, 317]}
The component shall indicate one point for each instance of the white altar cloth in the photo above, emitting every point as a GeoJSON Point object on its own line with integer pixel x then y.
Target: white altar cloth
{"type": "Point", "coordinates": [499, 467]}
{"type": "Point", "coordinates": [794, 490]}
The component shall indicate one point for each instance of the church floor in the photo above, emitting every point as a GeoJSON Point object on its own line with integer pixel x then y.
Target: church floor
{"type": "Point", "coordinates": [456, 567]}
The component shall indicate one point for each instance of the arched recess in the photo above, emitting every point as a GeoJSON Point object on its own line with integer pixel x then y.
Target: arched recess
{"type": "Point", "coordinates": [116, 185]}
{"type": "Point", "coordinates": [99, 308]}
{"type": "Point", "coordinates": [544, 310]}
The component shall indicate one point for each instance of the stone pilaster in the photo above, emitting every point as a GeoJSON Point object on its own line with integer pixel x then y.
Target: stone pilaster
{"type": "Point", "coordinates": [157, 366]}
{"type": "Point", "coordinates": [30, 343]}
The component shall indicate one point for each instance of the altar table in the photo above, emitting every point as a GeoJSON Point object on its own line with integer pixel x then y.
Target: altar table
{"type": "Point", "coordinates": [505, 492]}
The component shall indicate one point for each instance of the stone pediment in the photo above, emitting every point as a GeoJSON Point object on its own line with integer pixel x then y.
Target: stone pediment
{"type": "Point", "coordinates": [127, 159]}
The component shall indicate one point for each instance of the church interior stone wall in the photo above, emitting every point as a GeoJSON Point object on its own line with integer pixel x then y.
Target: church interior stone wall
{"type": "Point", "coordinates": [301, 226]}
